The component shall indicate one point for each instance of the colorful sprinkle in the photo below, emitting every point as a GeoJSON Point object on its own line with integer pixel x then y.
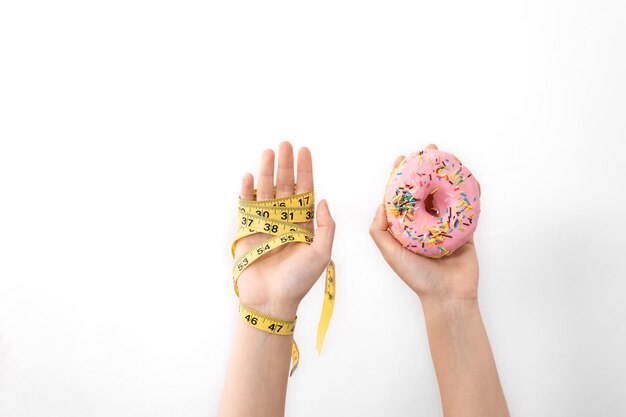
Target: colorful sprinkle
{"type": "Point", "coordinates": [403, 203]}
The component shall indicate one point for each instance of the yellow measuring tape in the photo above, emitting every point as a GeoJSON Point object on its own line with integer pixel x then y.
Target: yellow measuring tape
{"type": "Point", "coordinates": [278, 217]}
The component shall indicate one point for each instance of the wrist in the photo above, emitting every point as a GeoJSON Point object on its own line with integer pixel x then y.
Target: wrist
{"type": "Point", "coordinates": [448, 308]}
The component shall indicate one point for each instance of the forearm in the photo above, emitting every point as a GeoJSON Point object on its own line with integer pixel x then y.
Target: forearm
{"type": "Point", "coordinates": [464, 363]}
{"type": "Point", "coordinates": [256, 379]}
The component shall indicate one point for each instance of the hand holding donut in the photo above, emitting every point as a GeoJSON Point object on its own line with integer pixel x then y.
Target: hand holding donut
{"type": "Point", "coordinates": [449, 277]}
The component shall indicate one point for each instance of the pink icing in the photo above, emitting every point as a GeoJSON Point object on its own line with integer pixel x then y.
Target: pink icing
{"type": "Point", "coordinates": [456, 198]}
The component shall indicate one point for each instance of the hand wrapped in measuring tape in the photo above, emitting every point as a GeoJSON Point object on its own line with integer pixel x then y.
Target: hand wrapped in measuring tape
{"type": "Point", "coordinates": [278, 255]}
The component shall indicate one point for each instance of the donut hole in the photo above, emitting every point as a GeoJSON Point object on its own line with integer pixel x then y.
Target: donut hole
{"type": "Point", "coordinates": [429, 205]}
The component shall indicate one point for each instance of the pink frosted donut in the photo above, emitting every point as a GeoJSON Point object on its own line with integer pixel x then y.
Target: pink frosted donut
{"type": "Point", "coordinates": [432, 203]}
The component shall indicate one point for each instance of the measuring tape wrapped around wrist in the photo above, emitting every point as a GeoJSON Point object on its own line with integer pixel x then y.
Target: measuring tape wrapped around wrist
{"type": "Point", "coordinates": [279, 217]}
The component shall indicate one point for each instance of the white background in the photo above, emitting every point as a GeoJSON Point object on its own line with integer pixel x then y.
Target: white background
{"type": "Point", "coordinates": [125, 128]}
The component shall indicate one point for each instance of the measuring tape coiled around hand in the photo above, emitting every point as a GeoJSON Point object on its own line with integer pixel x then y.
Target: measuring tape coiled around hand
{"type": "Point", "coordinates": [279, 217]}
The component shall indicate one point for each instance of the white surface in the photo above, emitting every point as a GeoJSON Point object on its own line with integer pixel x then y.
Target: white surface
{"type": "Point", "coordinates": [125, 128]}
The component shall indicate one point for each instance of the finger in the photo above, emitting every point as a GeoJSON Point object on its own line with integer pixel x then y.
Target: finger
{"type": "Point", "coordinates": [284, 174]}
{"type": "Point", "coordinates": [388, 246]}
{"type": "Point", "coordinates": [247, 187]}
{"type": "Point", "coordinates": [397, 161]}
{"type": "Point", "coordinates": [265, 187]}
{"type": "Point", "coordinates": [432, 146]}
{"type": "Point", "coordinates": [325, 232]}
{"type": "Point", "coordinates": [305, 171]}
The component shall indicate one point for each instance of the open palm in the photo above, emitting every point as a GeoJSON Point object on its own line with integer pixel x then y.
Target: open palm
{"type": "Point", "coordinates": [277, 282]}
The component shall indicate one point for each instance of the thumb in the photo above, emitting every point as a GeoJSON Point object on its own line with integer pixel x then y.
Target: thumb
{"type": "Point", "coordinates": [325, 232]}
{"type": "Point", "coordinates": [386, 243]}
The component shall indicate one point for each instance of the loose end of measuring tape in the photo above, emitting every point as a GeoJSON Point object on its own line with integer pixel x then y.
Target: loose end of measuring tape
{"type": "Point", "coordinates": [327, 307]}
{"type": "Point", "coordinates": [293, 369]}
{"type": "Point", "coordinates": [327, 313]}
{"type": "Point", "coordinates": [295, 357]}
